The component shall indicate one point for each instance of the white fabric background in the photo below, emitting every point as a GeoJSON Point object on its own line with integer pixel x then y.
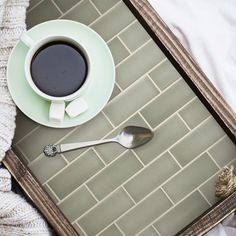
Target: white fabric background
{"type": "Point", "coordinates": [207, 29]}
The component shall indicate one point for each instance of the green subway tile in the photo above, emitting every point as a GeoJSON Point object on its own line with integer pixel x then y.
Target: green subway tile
{"type": "Point", "coordinates": [164, 75]}
{"type": "Point", "coordinates": [180, 216]}
{"type": "Point", "coordinates": [209, 188]}
{"type": "Point", "coordinates": [104, 5]}
{"type": "Point", "coordinates": [114, 175]}
{"type": "Point", "coordinates": [194, 113]}
{"type": "Point", "coordinates": [197, 141]}
{"type": "Point", "coordinates": [134, 36]}
{"type": "Point", "coordinates": [105, 213]}
{"type": "Point", "coordinates": [151, 177]}
{"type": "Point", "coordinates": [76, 174]}
{"type": "Point", "coordinates": [66, 5]}
{"type": "Point", "coordinates": [111, 231]}
{"type": "Point", "coordinates": [149, 232]}
{"type": "Point", "coordinates": [167, 103]}
{"type": "Point", "coordinates": [77, 203]}
{"type": "Point", "coordinates": [34, 143]}
{"type": "Point", "coordinates": [43, 12]}
{"type": "Point", "coordinates": [21, 155]}
{"type": "Point", "coordinates": [86, 133]}
{"type": "Point", "coordinates": [119, 52]}
{"type": "Point", "coordinates": [50, 193]}
{"type": "Point", "coordinates": [78, 229]}
{"type": "Point", "coordinates": [144, 213]}
{"type": "Point", "coordinates": [116, 91]}
{"type": "Point", "coordinates": [44, 167]}
{"type": "Point", "coordinates": [130, 101]}
{"type": "Point", "coordinates": [164, 136]}
{"type": "Point", "coordinates": [23, 126]}
{"type": "Point", "coordinates": [32, 4]}
{"type": "Point", "coordinates": [190, 178]}
{"type": "Point", "coordinates": [110, 151]}
{"type": "Point", "coordinates": [84, 13]}
{"type": "Point", "coordinates": [114, 21]}
{"type": "Point", "coordinates": [138, 64]}
{"type": "Point", "coordinates": [223, 152]}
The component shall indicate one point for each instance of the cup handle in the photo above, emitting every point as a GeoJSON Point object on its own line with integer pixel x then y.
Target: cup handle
{"type": "Point", "coordinates": [57, 111]}
{"type": "Point", "coordinates": [27, 40]}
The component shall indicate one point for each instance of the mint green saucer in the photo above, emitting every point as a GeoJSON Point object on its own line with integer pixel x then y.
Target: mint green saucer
{"type": "Point", "coordinates": [102, 71]}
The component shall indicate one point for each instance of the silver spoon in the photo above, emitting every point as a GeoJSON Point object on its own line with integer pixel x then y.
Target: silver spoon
{"type": "Point", "coordinates": [129, 137]}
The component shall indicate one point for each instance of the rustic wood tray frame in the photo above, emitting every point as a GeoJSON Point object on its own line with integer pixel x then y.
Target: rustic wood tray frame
{"type": "Point", "coordinates": [200, 84]}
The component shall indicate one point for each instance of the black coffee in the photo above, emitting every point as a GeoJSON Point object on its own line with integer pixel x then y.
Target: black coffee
{"type": "Point", "coordinates": [58, 69]}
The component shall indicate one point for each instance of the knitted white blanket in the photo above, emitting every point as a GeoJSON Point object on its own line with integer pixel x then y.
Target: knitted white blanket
{"type": "Point", "coordinates": [12, 24]}
{"type": "Point", "coordinates": [17, 217]}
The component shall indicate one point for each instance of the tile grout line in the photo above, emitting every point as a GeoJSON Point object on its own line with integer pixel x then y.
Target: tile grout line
{"type": "Point", "coordinates": [81, 228]}
{"type": "Point", "coordinates": [63, 168]}
{"type": "Point", "coordinates": [119, 86]}
{"type": "Point", "coordinates": [145, 121]}
{"type": "Point", "coordinates": [94, 206]}
{"type": "Point", "coordinates": [147, 103]}
{"type": "Point", "coordinates": [149, 77]}
{"type": "Point", "coordinates": [181, 167]}
{"type": "Point", "coordinates": [23, 153]}
{"type": "Point", "coordinates": [98, 11]}
{"type": "Point", "coordinates": [135, 51]}
{"type": "Point", "coordinates": [54, 194]}
{"type": "Point", "coordinates": [91, 192]}
{"type": "Point", "coordinates": [125, 46]}
{"type": "Point", "coordinates": [148, 72]}
{"type": "Point", "coordinates": [135, 154]}
{"type": "Point", "coordinates": [64, 158]}
{"type": "Point", "coordinates": [167, 211]}
{"type": "Point", "coordinates": [25, 136]}
{"type": "Point", "coordinates": [57, 7]}
{"type": "Point", "coordinates": [121, 31]}
{"type": "Point", "coordinates": [93, 176]}
{"type": "Point", "coordinates": [105, 13]}
{"type": "Point", "coordinates": [175, 113]}
{"type": "Point", "coordinates": [155, 229]}
{"type": "Point", "coordinates": [169, 198]}
{"type": "Point", "coordinates": [185, 123]}
{"type": "Point", "coordinates": [38, 3]}
{"type": "Point", "coordinates": [103, 162]}
{"type": "Point", "coordinates": [70, 9]}
{"type": "Point", "coordinates": [209, 147]}
{"type": "Point", "coordinates": [212, 158]}
{"type": "Point", "coordinates": [108, 119]}
{"type": "Point", "coordinates": [118, 227]}
{"type": "Point", "coordinates": [58, 141]}
{"type": "Point", "coordinates": [200, 192]}
{"type": "Point", "coordinates": [185, 135]}
{"type": "Point", "coordinates": [124, 189]}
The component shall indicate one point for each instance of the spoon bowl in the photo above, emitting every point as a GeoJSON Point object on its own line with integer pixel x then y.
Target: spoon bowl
{"type": "Point", "coordinates": [134, 136]}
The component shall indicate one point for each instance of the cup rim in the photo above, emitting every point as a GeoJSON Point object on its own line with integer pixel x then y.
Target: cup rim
{"type": "Point", "coordinates": [32, 52]}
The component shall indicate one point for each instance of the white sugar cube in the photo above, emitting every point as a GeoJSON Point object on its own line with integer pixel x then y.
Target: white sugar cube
{"type": "Point", "coordinates": [57, 111]}
{"type": "Point", "coordinates": [76, 107]}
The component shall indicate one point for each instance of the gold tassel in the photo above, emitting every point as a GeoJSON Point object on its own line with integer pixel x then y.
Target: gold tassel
{"type": "Point", "coordinates": [226, 183]}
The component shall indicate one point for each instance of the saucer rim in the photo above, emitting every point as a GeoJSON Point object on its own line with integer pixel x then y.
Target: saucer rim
{"type": "Point", "coordinates": [63, 124]}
